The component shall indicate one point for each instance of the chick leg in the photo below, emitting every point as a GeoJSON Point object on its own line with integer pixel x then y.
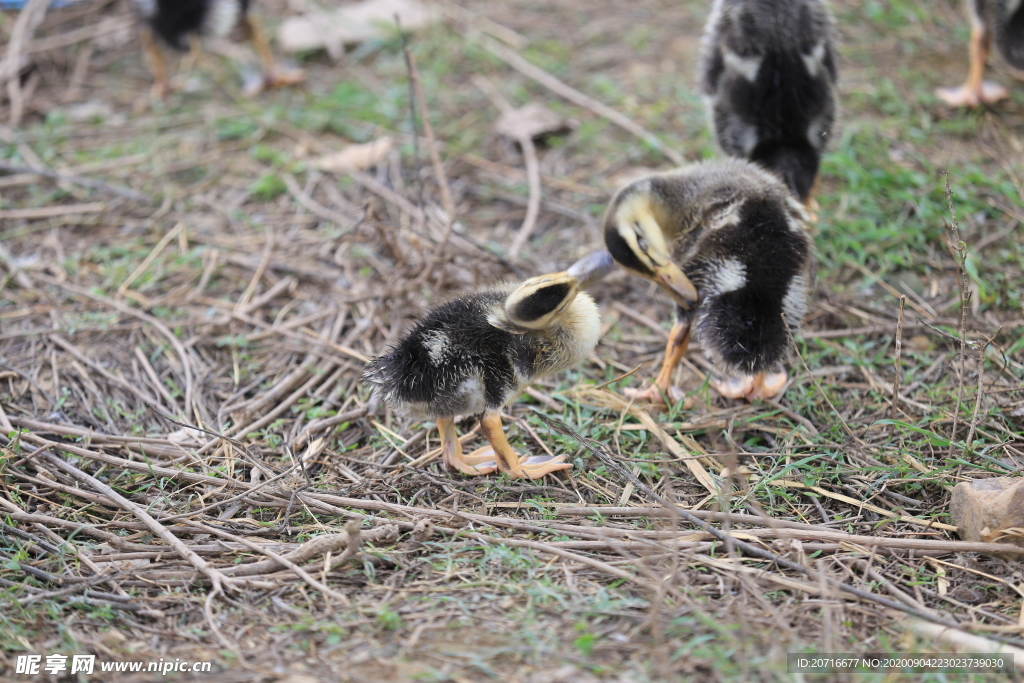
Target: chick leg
{"type": "Point", "coordinates": [760, 385]}
{"type": "Point", "coordinates": [509, 462]}
{"type": "Point", "coordinates": [155, 56]}
{"type": "Point", "coordinates": [675, 349]}
{"type": "Point", "coordinates": [451, 451]}
{"type": "Point", "coordinates": [273, 75]}
{"type": "Point", "coordinates": [975, 90]}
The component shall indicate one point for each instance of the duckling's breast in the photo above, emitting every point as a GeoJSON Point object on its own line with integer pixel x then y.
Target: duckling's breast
{"type": "Point", "coordinates": [572, 340]}
{"type": "Point", "coordinates": [453, 362]}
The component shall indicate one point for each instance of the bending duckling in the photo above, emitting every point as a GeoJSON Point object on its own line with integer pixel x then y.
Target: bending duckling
{"type": "Point", "coordinates": [476, 353]}
{"type": "Point", "coordinates": [768, 72]}
{"type": "Point", "coordinates": [729, 243]}
{"type": "Point", "coordinates": [1002, 20]}
{"type": "Point", "coordinates": [176, 22]}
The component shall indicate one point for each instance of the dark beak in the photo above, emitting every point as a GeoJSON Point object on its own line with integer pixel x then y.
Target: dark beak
{"type": "Point", "coordinates": [591, 268]}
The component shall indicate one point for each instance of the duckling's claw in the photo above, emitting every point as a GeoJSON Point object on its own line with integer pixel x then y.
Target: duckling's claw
{"type": "Point", "coordinates": [530, 467]}
{"type": "Point", "coordinates": [474, 464]}
{"type": "Point", "coordinates": [675, 349]}
{"type": "Point", "coordinates": [975, 90]}
{"type": "Point", "coordinates": [274, 76]}
{"type": "Point", "coordinates": [656, 395]}
{"type": "Point", "coordinates": [967, 96]}
{"type": "Point", "coordinates": [772, 384]}
{"type": "Point", "coordinates": [734, 387]}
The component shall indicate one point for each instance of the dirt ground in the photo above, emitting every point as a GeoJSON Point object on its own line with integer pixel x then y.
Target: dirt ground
{"type": "Point", "coordinates": [191, 263]}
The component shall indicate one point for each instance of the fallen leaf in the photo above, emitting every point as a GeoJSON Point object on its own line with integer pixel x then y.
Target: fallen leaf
{"type": "Point", "coordinates": [349, 25]}
{"type": "Point", "coordinates": [355, 157]}
{"type": "Point", "coordinates": [534, 121]}
{"type": "Point", "coordinates": [185, 437]}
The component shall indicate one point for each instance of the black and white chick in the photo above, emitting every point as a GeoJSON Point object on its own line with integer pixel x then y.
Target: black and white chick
{"type": "Point", "coordinates": [999, 21]}
{"type": "Point", "coordinates": [476, 353]}
{"type": "Point", "coordinates": [729, 243]}
{"type": "Point", "coordinates": [178, 23]}
{"type": "Point", "coordinates": [768, 73]}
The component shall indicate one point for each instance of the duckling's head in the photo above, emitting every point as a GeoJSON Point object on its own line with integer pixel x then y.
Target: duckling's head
{"type": "Point", "coordinates": [542, 302]}
{"type": "Point", "coordinates": [636, 239]}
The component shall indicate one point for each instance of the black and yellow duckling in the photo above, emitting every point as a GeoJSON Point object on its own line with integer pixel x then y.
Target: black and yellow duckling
{"type": "Point", "coordinates": [1003, 22]}
{"type": "Point", "coordinates": [177, 22]}
{"type": "Point", "coordinates": [729, 243]}
{"type": "Point", "coordinates": [768, 72]}
{"type": "Point", "coordinates": [477, 352]}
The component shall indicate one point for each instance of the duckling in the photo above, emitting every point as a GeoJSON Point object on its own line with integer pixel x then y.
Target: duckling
{"type": "Point", "coordinates": [1002, 20]}
{"type": "Point", "coordinates": [768, 73]}
{"type": "Point", "coordinates": [477, 352]}
{"type": "Point", "coordinates": [729, 244]}
{"type": "Point", "coordinates": [175, 22]}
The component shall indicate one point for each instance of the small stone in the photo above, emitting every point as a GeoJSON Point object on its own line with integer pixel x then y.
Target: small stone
{"type": "Point", "coordinates": [989, 510]}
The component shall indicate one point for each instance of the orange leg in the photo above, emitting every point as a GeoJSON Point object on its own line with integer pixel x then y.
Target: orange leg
{"type": "Point", "coordinates": [508, 461]}
{"type": "Point", "coordinates": [675, 349]}
{"type": "Point", "coordinates": [761, 385]}
{"type": "Point", "coordinates": [451, 452]}
{"type": "Point", "coordinates": [273, 75]}
{"type": "Point", "coordinates": [155, 56]}
{"type": "Point", "coordinates": [975, 90]}
{"type": "Point", "coordinates": [811, 204]}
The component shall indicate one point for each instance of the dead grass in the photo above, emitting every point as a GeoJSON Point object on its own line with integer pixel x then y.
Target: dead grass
{"type": "Point", "coordinates": [242, 294]}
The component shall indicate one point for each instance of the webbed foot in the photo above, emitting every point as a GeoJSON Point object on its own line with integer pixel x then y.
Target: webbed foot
{"type": "Point", "coordinates": [656, 395]}
{"type": "Point", "coordinates": [750, 387]}
{"type": "Point", "coordinates": [966, 96]}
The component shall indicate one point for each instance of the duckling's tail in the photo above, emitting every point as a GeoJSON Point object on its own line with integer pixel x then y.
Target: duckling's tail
{"type": "Point", "coordinates": [796, 165]}
{"type": "Point", "coordinates": [744, 332]}
{"type": "Point", "coordinates": [754, 281]}
{"type": "Point", "coordinates": [1009, 34]}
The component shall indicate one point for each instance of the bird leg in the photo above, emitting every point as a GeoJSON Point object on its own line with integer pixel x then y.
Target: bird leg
{"type": "Point", "coordinates": [675, 349]}
{"type": "Point", "coordinates": [155, 56]}
{"type": "Point", "coordinates": [273, 75]}
{"type": "Point", "coordinates": [508, 461]}
{"type": "Point", "coordinates": [760, 385]}
{"type": "Point", "coordinates": [451, 452]}
{"type": "Point", "coordinates": [975, 90]}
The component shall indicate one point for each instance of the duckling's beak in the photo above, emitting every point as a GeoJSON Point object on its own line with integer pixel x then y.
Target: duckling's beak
{"type": "Point", "coordinates": [670, 278]}
{"type": "Point", "coordinates": [591, 268]}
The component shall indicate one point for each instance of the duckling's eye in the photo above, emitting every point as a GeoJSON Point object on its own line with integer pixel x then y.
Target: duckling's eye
{"type": "Point", "coordinates": [642, 243]}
